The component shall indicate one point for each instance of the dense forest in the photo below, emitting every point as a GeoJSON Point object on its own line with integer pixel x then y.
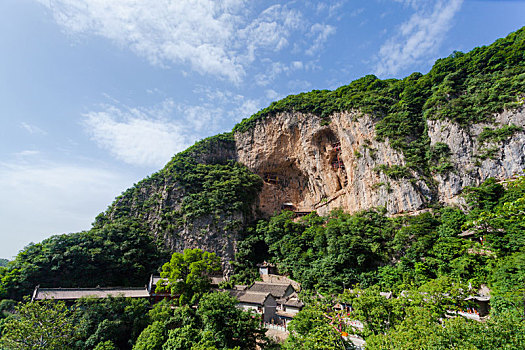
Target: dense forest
{"type": "Point", "coordinates": [429, 262]}
{"type": "Point", "coordinates": [369, 248]}
{"type": "Point", "coordinates": [422, 260]}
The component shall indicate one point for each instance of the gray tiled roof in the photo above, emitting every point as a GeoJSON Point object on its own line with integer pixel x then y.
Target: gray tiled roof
{"type": "Point", "coordinates": [291, 300]}
{"type": "Point", "coordinates": [285, 314]}
{"type": "Point", "coordinates": [77, 293]}
{"type": "Point", "coordinates": [479, 298]}
{"type": "Point", "coordinates": [216, 280]}
{"type": "Point", "coordinates": [277, 290]}
{"type": "Point", "coordinates": [249, 297]}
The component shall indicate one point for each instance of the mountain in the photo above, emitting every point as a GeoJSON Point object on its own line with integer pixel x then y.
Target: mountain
{"type": "Point", "coordinates": [407, 145]}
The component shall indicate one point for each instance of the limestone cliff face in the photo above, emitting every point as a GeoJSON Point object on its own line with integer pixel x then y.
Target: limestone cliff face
{"type": "Point", "coordinates": [470, 169]}
{"type": "Point", "coordinates": [315, 174]}
{"type": "Point", "coordinates": [319, 164]}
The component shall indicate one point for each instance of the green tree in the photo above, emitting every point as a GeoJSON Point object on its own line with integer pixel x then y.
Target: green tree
{"type": "Point", "coordinates": [187, 274]}
{"type": "Point", "coordinates": [121, 253]}
{"type": "Point", "coordinates": [420, 330]}
{"type": "Point", "coordinates": [231, 327]}
{"type": "Point", "coordinates": [216, 324]}
{"type": "Point", "coordinates": [377, 313]}
{"type": "Point", "coordinates": [7, 307]}
{"type": "Point", "coordinates": [152, 337]}
{"type": "Point", "coordinates": [508, 285]}
{"type": "Point", "coordinates": [39, 325]}
{"type": "Point", "coordinates": [310, 329]}
{"type": "Point", "coordinates": [182, 338]}
{"type": "Point", "coordinates": [184, 328]}
{"type": "Point", "coordinates": [107, 345]}
{"type": "Point", "coordinates": [119, 320]}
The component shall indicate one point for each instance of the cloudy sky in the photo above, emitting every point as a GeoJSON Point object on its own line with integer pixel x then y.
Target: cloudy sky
{"type": "Point", "coordinates": [97, 94]}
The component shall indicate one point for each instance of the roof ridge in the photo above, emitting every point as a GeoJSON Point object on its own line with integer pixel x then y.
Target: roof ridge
{"type": "Point", "coordinates": [272, 283]}
{"type": "Point", "coordinates": [91, 288]}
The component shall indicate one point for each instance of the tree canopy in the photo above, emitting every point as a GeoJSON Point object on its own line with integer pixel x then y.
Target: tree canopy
{"type": "Point", "coordinates": [39, 325]}
{"type": "Point", "coordinates": [188, 274]}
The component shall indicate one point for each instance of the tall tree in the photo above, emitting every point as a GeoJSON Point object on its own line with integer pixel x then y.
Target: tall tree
{"type": "Point", "coordinates": [39, 325]}
{"type": "Point", "coordinates": [188, 274]}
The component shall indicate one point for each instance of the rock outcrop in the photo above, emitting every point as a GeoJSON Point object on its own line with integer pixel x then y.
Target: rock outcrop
{"type": "Point", "coordinates": [323, 164]}
{"type": "Point", "coordinates": [472, 165]}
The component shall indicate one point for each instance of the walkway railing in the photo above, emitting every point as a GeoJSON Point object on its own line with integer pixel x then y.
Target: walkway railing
{"type": "Point", "coordinates": [277, 327]}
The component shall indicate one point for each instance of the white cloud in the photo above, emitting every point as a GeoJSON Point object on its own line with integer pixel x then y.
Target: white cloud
{"type": "Point", "coordinates": [245, 109]}
{"type": "Point", "coordinates": [271, 30]}
{"type": "Point", "coordinates": [149, 137]}
{"type": "Point", "coordinates": [224, 106]}
{"type": "Point", "coordinates": [42, 198]}
{"type": "Point", "coordinates": [297, 65]}
{"type": "Point", "coordinates": [27, 153]}
{"type": "Point", "coordinates": [299, 85]}
{"type": "Point", "coordinates": [419, 38]}
{"type": "Point", "coordinates": [331, 8]}
{"type": "Point", "coordinates": [276, 69]}
{"type": "Point", "coordinates": [415, 4]}
{"type": "Point", "coordinates": [211, 36]}
{"type": "Point", "coordinates": [272, 95]}
{"type": "Point", "coordinates": [319, 33]}
{"type": "Point", "coordinates": [138, 136]}
{"type": "Point", "coordinates": [33, 129]}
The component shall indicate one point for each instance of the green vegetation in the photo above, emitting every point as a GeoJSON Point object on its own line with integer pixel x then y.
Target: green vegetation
{"type": "Point", "coordinates": [109, 322]}
{"type": "Point", "coordinates": [439, 158]}
{"type": "Point", "coordinates": [211, 321]}
{"type": "Point", "coordinates": [487, 153]}
{"type": "Point", "coordinates": [216, 323]}
{"type": "Point", "coordinates": [498, 135]}
{"type": "Point", "coordinates": [39, 325]}
{"type": "Point", "coordinates": [3, 262]}
{"type": "Point", "coordinates": [421, 331]}
{"type": "Point", "coordinates": [121, 253]}
{"type": "Point", "coordinates": [421, 260]}
{"type": "Point", "coordinates": [489, 139]}
{"type": "Point", "coordinates": [187, 274]}
{"type": "Point", "coordinates": [202, 320]}
{"type": "Point", "coordinates": [395, 171]}
{"type": "Point", "coordinates": [463, 88]}
{"type": "Point", "coordinates": [326, 253]}
{"type": "Point", "coordinates": [209, 181]}
{"type": "Point", "coordinates": [218, 186]}
{"type": "Point", "coordinates": [310, 330]}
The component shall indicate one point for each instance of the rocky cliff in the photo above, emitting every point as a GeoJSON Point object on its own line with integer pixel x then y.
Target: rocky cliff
{"type": "Point", "coordinates": [326, 163]}
{"type": "Point", "coordinates": [473, 160]}
{"type": "Point", "coordinates": [322, 164]}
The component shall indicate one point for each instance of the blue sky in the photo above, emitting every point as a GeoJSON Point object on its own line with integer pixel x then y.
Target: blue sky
{"type": "Point", "coordinates": [97, 94]}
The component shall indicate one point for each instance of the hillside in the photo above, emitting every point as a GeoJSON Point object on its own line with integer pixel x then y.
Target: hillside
{"type": "Point", "coordinates": [405, 144]}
